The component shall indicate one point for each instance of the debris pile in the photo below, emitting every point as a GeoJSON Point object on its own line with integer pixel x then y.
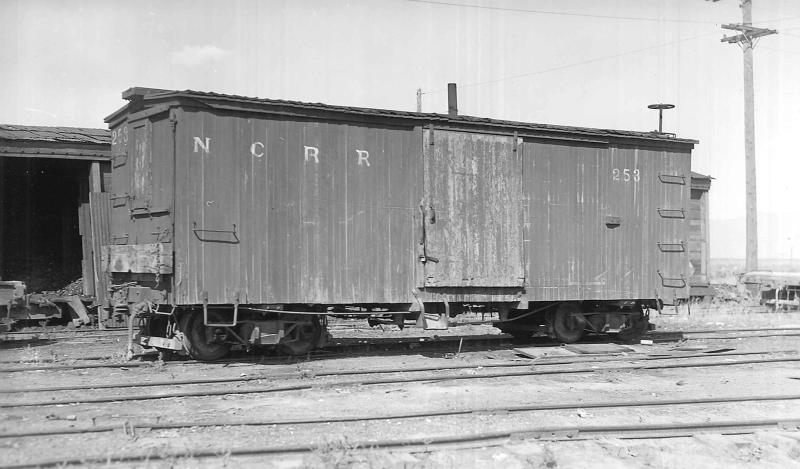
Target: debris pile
{"type": "Point", "coordinates": [73, 288]}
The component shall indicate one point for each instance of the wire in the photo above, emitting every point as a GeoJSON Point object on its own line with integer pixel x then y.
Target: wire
{"type": "Point", "coordinates": [584, 62]}
{"type": "Point", "coordinates": [587, 15]}
{"type": "Point", "coordinates": [560, 13]}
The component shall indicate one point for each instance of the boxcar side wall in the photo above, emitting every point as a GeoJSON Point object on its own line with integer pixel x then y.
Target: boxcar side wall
{"type": "Point", "coordinates": [253, 208]}
{"type": "Point", "coordinates": [285, 210]}
{"type": "Point", "coordinates": [601, 223]}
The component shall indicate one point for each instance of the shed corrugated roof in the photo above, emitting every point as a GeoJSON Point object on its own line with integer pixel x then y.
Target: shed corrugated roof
{"type": "Point", "coordinates": [55, 134]}
{"type": "Point", "coordinates": [206, 97]}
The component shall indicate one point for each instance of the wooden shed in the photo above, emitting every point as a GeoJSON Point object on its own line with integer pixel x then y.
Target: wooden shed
{"type": "Point", "coordinates": [698, 237]}
{"type": "Point", "coordinates": [52, 196]}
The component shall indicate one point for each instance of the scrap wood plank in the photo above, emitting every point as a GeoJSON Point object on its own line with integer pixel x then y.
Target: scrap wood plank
{"type": "Point", "coordinates": [74, 302]}
{"type": "Point", "coordinates": [597, 348]}
{"type": "Point", "coordinates": [539, 352]}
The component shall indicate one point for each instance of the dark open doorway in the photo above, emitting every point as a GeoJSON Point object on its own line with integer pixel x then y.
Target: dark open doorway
{"type": "Point", "coordinates": [40, 243]}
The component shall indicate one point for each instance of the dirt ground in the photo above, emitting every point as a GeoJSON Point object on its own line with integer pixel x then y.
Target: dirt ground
{"type": "Point", "coordinates": [257, 391]}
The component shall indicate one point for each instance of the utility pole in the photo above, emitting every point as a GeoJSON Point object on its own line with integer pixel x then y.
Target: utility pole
{"type": "Point", "coordinates": [419, 99]}
{"type": "Point", "coordinates": [746, 40]}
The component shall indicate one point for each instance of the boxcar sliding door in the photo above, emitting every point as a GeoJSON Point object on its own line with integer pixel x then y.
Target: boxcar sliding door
{"type": "Point", "coordinates": [472, 210]}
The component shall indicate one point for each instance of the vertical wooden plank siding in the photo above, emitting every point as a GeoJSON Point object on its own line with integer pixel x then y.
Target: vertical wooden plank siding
{"type": "Point", "coordinates": [87, 255]}
{"type": "Point", "coordinates": [323, 212]}
{"type": "Point", "coordinates": [100, 214]}
{"type": "Point", "coordinates": [698, 236]}
{"type": "Point", "coordinates": [578, 193]}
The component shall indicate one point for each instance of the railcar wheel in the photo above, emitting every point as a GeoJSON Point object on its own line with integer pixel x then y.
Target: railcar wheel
{"type": "Point", "coordinates": [635, 326]}
{"type": "Point", "coordinates": [204, 343]}
{"type": "Point", "coordinates": [303, 338]}
{"type": "Point", "coordinates": [568, 323]}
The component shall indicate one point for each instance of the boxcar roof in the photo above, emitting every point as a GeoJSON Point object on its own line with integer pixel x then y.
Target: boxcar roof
{"type": "Point", "coordinates": [70, 143]}
{"type": "Point", "coordinates": [149, 96]}
{"type": "Point", "coordinates": [701, 181]}
{"type": "Point", "coordinates": [55, 134]}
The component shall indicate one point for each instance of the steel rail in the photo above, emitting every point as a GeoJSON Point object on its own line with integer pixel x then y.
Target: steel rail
{"type": "Point", "coordinates": [433, 343]}
{"type": "Point", "coordinates": [57, 359]}
{"type": "Point", "coordinates": [68, 331]}
{"type": "Point", "coordinates": [158, 425]}
{"type": "Point", "coordinates": [673, 336]}
{"type": "Point", "coordinates": [22, 336]}
{"type": "Point", "coordinates": [720, 331]}
{"type": "Point", "coordinates": [364, 371]}
{"type": "Point", "coordinates": [370, 382]}
{"type": "Point", "coordinates": [262, 359]}
{"type": "Point", "coordinates": [80, 366]}
{"type": "Point", "coordinates": [670, 430]}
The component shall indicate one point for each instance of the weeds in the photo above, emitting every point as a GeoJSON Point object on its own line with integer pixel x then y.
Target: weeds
{"type": "Point", "coordinates": [335, 453]}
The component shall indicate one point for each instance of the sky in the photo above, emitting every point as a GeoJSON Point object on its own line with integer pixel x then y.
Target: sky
{"type": "Point", "coordinates": [591, 63]}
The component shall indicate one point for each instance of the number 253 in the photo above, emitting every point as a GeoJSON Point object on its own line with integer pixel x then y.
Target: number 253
{"type": "Point", "coordinates": [625, 174]}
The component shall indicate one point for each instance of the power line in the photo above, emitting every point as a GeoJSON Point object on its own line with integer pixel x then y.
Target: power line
{"type": "Point", "coordinates": [588, 15]}
{"type": "Point", "coordinates": [576, 64]}
{"type": "Point", "coordinates": [561, 13]}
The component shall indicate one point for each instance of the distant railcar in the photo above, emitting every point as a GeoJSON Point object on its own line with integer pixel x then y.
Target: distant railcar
{"type": "Point", "coordinates": [248, 221]}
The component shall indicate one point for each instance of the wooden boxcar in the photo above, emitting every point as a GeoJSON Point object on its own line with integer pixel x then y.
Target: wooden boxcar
{"type": "Point", "coordinates": [243, 220]}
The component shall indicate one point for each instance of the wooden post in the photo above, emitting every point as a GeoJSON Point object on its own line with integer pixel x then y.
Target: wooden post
{"type": "Point", "coordinates": [95, 179]}
{"type": "Point", "coordinates": [751, 262]}
{"type": "Point", "coordinates": [28, 221]}
{"type": "Point", "coordinates": [746, 39]}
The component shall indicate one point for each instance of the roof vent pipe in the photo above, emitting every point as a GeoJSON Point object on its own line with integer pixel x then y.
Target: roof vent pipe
{"type": "Point", "coordinates": [452, 99]}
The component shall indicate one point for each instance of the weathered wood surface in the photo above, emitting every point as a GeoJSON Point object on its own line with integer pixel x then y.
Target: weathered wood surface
{"type": "Point", "coordinates": [151, 258]}
{"type": "Point", "coordinates": [87, 257]}
{"type": "Point", "coordinates": [100, 213]}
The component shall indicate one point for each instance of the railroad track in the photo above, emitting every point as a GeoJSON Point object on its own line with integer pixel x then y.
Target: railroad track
{"type": "Point", "coordinates": [434, 374]}
{"type": "Point", "coordinates": [60, 334]}
{"type": "Point", "coordinates": [323, 380]}
{"type": "Point", "coordinates": [427, 442]}
{"type": "Point", "coordinates": [345, 346]}
{"type": "Point", "coordinates": [541, 361]}
{"type": "Point", "coordinates": [401, 344]}
{"type": "Point", "coordinates": [494, 410]}
{"type": "Point", "coordinates": [722, 334]}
